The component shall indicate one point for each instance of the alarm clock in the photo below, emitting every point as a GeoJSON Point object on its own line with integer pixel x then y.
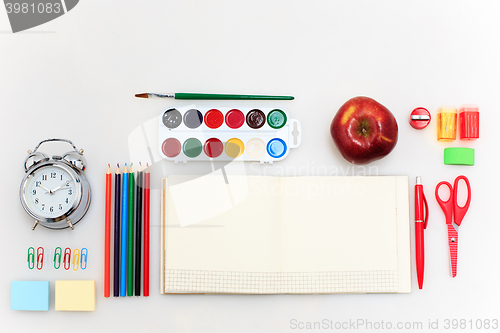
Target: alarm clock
{"type": "Point", "coordinates": [54, 191]}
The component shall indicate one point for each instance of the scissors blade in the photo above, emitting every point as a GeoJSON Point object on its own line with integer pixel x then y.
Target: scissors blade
{"type": "Point", "coordinates": [453, 243]}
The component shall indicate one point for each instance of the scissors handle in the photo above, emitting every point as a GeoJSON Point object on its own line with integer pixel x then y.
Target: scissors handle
{"type": "Point", "coordinates": [460, 211]}
{"type": "Point", "coordinates": [446, 206]}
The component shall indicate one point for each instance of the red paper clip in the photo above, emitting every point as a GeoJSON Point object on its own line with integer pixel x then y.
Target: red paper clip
{"type": "Point", "coordinates": [67, 258]}
{"type": "Point", "coordinates": [39, 258]}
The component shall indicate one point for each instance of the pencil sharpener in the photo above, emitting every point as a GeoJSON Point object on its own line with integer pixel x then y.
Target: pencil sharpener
{"type": "Point", "coordinates": [468, 119]}
{"type": "Point", "coordinates": [447, 123]}
{"type": "Point", "coordinates": [420, 118]}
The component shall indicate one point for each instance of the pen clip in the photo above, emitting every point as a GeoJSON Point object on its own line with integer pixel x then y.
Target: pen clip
{"type": "Point", "coordinates": [31, 258]}
{"type": "Point", "coordinates": [76, 259]}
{"type": "Point", "coordinates": [57, 257]}
{"type": "Point", "coordinates": [39, 258]}
{"type": "Point", "coordinates": [426, 218]}
{"type": "Point", "coordinates": [83, 263]}
{"type": "Point", "coordinates": [67, 258]}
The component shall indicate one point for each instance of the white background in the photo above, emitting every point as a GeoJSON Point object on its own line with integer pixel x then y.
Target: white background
{"type": "Point", "coordinates": [76, 77]}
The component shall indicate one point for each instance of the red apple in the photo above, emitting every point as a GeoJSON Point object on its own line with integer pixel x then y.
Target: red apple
{"type": "Point", "coordinates": [364, 130]}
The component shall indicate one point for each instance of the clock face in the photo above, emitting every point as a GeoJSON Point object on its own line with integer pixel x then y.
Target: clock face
{"type": "Point", "coordinates": [50, 192]}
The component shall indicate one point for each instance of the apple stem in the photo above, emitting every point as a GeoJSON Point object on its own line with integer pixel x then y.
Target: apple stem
{"type": "Point", "coordinates": [364, 128]}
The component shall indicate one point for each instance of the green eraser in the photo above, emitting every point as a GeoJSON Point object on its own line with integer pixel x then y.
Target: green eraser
{"type": "Point", "coordinates": [459, 156]}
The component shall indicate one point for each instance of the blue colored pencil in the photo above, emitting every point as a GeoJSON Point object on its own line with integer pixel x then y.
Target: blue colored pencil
{"type": "Point", "coordinates": [130, 254]}
{"type": "Point", "coordinates": [123, 254]}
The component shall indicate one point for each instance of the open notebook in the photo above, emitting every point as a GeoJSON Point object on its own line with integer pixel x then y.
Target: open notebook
{"type": "Point", "coordinates": [277, 235]}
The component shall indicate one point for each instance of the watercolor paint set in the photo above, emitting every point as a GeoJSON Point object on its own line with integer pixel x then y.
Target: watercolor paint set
{"type": "Point", "coordinates": [259, 134]}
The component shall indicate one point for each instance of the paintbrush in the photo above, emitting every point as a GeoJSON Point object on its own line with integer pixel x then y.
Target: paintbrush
{"type": "Point", "coordinates": [210, 96]}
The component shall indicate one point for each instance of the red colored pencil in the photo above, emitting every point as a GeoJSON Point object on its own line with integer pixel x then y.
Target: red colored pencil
{"type": "Point", "coordinates": [107, 233]}
{"type": "Point", "coordinates": [146, 230]}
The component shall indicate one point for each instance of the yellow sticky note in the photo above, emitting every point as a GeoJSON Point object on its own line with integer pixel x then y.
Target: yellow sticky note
{"type": "Point", "coordinates": [75, 295]}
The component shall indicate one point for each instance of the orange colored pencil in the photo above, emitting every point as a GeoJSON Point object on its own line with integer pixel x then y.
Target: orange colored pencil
{"type": "Point", "coordinates": [107, 233]}
{"type": "Point", "coordinates": [146, 230]}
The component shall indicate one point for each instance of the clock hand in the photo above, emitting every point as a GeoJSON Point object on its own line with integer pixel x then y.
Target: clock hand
{"type": "Point", "coordinates": [59, 187]}
{"type": "Point", "coordinates": [46, 189]}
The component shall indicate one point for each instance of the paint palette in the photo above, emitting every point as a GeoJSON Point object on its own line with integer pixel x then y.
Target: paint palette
{"type": "Point", "coordinates": [227, 133]}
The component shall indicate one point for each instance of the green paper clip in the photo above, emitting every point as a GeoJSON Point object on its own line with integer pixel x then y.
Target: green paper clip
{"type": "Point", "coordinates": [31, 258]}
{"type": "Point", "coordinates": [57, 257]}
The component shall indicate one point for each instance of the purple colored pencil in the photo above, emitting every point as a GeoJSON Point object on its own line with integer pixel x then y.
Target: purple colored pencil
{"type": "Point", "coordinates": [138, 229]}
{"type": "Point", "coordinates": [116, 256]}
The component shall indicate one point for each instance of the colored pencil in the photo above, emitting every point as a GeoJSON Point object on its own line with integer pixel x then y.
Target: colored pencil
{"type": "Point", "coordinates": [116, 258]}
{"type": "Point", "coordinates": [138, 234]}
{"type": "Point", "coordinates": [211, 96]}
{"type": "Point", "coordinates": [146, 230]}
{"type": "Point", "coordinates": [107, 233]}
{"type": "Point", "coordinates": [123, 253]}
{"type": "Point", "coordinates": [130, 243]}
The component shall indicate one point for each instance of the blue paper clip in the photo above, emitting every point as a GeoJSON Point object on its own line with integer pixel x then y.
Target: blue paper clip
{"type": "Point", "coordinates": [31, 258]}
{"type": "Point", "coordinates": [83, 264]}
{"type": "Point", "coordinates": [57, 257]}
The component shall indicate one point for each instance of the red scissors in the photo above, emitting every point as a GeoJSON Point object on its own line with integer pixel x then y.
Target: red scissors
{"type": "Point", "coordinates": [452, 211]}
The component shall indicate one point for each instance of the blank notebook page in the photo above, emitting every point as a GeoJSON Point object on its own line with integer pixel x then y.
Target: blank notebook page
{"type": "Point", "coordinates": [340, 234]}
{"type": "Point", "coordinates": [242, 238]}
{"type": "Point", "coordinates": [267, 235]}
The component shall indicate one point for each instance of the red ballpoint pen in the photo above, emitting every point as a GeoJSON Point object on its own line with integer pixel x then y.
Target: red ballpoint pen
{"type": "Point", "coordinates": [420, 225]}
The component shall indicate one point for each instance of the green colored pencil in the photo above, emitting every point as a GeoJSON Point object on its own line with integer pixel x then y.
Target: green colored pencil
{"type": "Point", "coordinates": [130, 238]}
{"type": "Point", "coordinates": [211, 96]}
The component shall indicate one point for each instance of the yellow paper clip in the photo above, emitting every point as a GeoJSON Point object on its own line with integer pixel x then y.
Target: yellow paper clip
{"type": "Point", "coordinates": [76, 259]}
{"type": "Point", "coordinates": [57, 257]}
{"type": "Point", "coordinates": [31, 258]}
{"type": "Point", "coordinates": [83, 263]}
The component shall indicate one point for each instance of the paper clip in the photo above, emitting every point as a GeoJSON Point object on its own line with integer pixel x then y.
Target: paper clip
{"type": "Point", "coordinates": [83, 263]}
{"type": "Point", "coordinates": [46, 258]}
{"type": "Point", "coordinates": [67, 258]}
{"type": "Point", "coordinates": [76, 259]}
{"type": "Point", "coordinates": [31, 258]}
{"type": "Point", "coordinates": [39, 258]}
{"type": "Point", "coordinates": [57, 257]}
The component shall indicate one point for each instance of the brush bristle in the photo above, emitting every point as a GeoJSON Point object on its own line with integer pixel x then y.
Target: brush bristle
{"type": "Point", "coordinates": [142, 95]}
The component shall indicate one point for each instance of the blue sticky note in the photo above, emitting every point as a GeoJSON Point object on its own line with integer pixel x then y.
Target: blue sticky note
{"type": "Point", "coordinates": [30, 295]}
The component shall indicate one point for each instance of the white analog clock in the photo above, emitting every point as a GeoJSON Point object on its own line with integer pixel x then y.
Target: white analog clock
{"type": "Point", "coordinates": [55, 192]}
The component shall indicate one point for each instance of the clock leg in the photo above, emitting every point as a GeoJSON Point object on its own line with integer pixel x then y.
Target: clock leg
{"type": "Point", "coordinates": [70, 224]}
{"type": "Point", "coordinates": [34, 225]}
